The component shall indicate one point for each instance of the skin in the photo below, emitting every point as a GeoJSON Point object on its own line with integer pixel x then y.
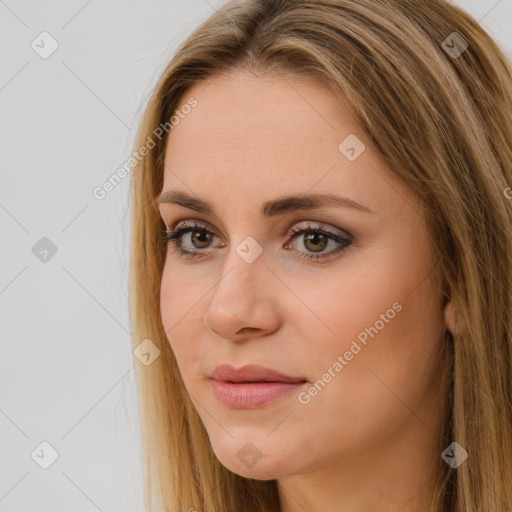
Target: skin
{"type": "Point", "coordinates": [368, 438]}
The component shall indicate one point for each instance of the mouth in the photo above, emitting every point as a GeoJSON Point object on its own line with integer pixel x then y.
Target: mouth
{"type": "Point", "coordinates": [251, 386]}
{"type": "Point", "coordinates": [251, 373]}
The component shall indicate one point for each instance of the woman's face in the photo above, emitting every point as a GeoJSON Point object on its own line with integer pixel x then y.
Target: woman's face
{"type": "Point", "coordinates": [359, 327]}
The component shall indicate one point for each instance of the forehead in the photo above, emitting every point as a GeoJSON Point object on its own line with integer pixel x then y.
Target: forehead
{"type": "Point", "coordinates": [265, 106]}
{"type": "Point", "coordinates": [262, 137]}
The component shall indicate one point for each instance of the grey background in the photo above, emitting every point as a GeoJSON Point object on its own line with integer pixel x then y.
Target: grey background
{"type": "Point", "coordinates": [67, 123]}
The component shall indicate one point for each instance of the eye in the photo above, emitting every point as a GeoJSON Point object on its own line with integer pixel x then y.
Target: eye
{"type": "Point", "coordinates": [201, 238]}
{"type": "Point", "coordinates": [316, 239]}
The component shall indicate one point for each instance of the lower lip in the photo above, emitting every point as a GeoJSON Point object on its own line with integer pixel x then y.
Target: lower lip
{"type": "Point", "coordinates": [251, 395]}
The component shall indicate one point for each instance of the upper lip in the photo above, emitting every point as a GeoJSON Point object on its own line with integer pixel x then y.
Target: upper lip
{"type": "Point", "coordinates": [251, 373]}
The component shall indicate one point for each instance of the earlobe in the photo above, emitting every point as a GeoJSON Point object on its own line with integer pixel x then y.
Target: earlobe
{"type": "Point", "coordinates": [453, 319]}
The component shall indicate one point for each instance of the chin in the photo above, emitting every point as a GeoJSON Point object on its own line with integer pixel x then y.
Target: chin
{"type": "Point", "coordinates": [258, 460]}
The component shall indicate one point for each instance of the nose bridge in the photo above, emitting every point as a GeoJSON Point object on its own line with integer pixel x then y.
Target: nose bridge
{"type": "Point", "coordinates": [244, 267]}
{"type": "Point", "coordinates": [240, 297]}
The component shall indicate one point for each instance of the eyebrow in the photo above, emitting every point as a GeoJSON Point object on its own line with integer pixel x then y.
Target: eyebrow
{"type": "Point", "coordinates": [272, 208]}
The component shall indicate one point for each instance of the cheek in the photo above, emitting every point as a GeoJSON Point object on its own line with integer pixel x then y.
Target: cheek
{"type": "Point", "coordinates": [386, 328]}
{"type": "Point", "coordinates": [342, 304]}
{"type": "Point", "coordinates": [179, 306]}
{"type": "Point", "coordinates": [182, 294]}
{"type": "Point", "coordinates": [380, 315]}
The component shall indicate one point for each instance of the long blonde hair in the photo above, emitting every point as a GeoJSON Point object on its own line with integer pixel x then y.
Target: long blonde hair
{"type": "Point", "coordinates": [440, 114]}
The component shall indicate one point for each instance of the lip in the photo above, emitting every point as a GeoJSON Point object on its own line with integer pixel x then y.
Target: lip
{"type": "Point", "coordinates": [251, 386]}
{"type": "Point", "coordinates": [251, 373]}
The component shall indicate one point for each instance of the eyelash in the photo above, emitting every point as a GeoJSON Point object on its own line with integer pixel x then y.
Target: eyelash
{"type": "Point", "coordinates": [174, 237]}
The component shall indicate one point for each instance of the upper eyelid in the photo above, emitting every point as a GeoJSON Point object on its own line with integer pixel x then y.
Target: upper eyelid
{"type": "Point", "coordinates": [189, 223]}
{"type": "Point", "coordinates": [341, 231]}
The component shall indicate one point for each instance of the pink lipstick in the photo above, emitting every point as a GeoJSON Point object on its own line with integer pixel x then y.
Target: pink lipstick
{"type": "Point", "coordinates": [251, 386]}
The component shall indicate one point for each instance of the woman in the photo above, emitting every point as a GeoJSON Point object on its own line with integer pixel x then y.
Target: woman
{"type": "Point", "coordinates": [322, 254]}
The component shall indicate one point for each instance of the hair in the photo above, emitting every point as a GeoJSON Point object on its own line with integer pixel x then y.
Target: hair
{"type": "Point", "coordinates": [443, 124]}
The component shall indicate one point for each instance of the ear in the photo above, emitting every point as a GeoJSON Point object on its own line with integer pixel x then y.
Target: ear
{"type": "Point", "coordinates": [453, 319]}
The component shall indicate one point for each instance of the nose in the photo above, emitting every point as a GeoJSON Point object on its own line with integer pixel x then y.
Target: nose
{"type": "Point", "coordinates": [243, 303]}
